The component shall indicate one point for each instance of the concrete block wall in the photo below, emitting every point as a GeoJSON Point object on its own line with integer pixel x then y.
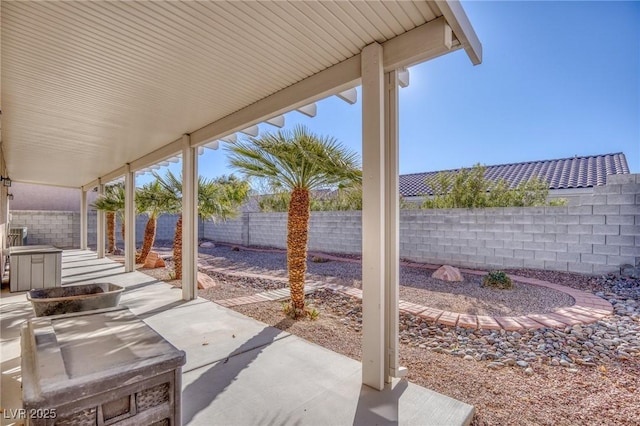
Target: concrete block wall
{"type": "Point", "coordinates": [62, 229]}
{"type": "Point", "coordinates": [49, 227]}
{"type": "Point", "coordinates": [595, 234]}
{"type": "Point", "coordinates": [165, 228]}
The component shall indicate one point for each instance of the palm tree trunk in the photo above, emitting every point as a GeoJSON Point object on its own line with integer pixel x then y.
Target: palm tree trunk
{"type": "Point", "coordinates": [177, 249]}
{"type": "Point", "coordinates": [297, 236]}
{"type": "Point", "coordinates": [149, 238]}
{"type": "Point", "coordinates": [122, 229]}
{"type": "Point", "coordinates": [111, 231]}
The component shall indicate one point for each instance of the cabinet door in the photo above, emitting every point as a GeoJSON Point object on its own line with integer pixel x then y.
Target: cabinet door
{"type": "Point", "coordinates": [37, 271]}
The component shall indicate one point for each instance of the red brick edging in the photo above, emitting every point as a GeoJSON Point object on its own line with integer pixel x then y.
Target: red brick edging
{"type": "Point", "coordinates": [587, 309]}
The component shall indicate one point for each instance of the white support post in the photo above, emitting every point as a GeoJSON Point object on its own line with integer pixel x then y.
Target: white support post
{"type": "Point", "coordinates": [189, 220]}
{"type": "Point", "coordinates": [392, 225]}
{"type": "Point", "coordinates": [129, 220]}
{"type": "Point", "coordinates": [100, 220]}
{"type": "Point", "coordinates": [373, 224]}
{"type": "Point", "coordinates": [83, 220]}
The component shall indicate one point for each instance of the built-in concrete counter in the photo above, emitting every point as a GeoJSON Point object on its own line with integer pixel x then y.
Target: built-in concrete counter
{"type": "Point", "coordinates": [100, 367]}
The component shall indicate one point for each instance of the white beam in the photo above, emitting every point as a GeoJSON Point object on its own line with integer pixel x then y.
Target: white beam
{"type": "Point", "coordinates": [403, 78]}
{"type": "Point", "coordinates": [337, 78]}
{"type": "Point", "coordinates": [392, 226]}
{"type": "Point", "coordinates": [129, 220]}
{"type": "Point", "coordinates": [114, 175]}
{"type": "Point", "coordinates": [231, 138]}
{"type": "Point", "coordinates": [276, 121]}
{"type": "Point", "coordinates": [425, 42]}
{"type": "Point", "coordinates": [157, 156]}
{"type": "Point", "coordinates": [349, 96]}
{"type": "Point", "coordinates": [373, 208]}
{"type": "Point", "coordinates": [83, 220]}
{"type": "Point", "coordinates": [309, 110]}
{"type": "Point", "coordinates": [90, 185]}
{"type": "Point", "coordinates": [100, 222]}
{"type": "Point", "coordinates": [212, 145]}
{"type": "Point", "coordinates": [457, 18]}
{"type": "Point", "coordinates": [189, 220]}
{"type": "Point", "coordinates": [251, 131]}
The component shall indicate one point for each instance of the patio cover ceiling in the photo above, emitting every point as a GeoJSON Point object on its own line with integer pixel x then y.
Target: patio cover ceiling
{"type": "Point", "coordinates": [90, 86]}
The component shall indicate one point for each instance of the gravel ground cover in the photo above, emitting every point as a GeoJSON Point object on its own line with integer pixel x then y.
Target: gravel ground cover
{"type": "Point", "coordinates": [417, 286]}
{"type": "Point", "coordinates": [582, 375]}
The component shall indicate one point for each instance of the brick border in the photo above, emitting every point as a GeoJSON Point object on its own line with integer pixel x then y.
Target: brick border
{"type": "Point", "coordinates": [588, 308]}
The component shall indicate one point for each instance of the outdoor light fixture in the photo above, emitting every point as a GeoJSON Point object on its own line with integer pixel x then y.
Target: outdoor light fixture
{"type": "Point", "coordinates": [10, 196]}
{"type": "Point", "coordinates": [5, 181]}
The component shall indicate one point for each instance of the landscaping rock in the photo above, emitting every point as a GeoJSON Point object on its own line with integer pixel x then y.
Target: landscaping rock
{"type": "Point", "coordinates": [207, 244]}
{"type": "Point", "coordinates": [205, 281]}
{"type": "Point", "coordinates": [153, 261]}
{"type": "Point", "coordinates": [448, 273]}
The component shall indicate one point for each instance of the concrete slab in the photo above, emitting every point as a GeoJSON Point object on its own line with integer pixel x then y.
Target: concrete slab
{"type": "Point", "coordinates": [239, 371]}
{"type": "Point", "coordinates": [292, 381]}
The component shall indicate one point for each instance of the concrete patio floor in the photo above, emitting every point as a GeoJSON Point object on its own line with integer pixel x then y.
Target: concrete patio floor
{"type": "Point", "coordinates": [239, 371]}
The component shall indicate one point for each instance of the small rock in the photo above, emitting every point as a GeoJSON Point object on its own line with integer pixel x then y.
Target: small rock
{"type": "Point", "coordinates": [205, 281]}
{"type": "Point", "coordinates": [522, 364]}
{"type": "Point", "coordinates": [528, 371]}
{"type": "Point", "coordinates": [468, 358]}
{"type": "Point", "coordinates": [207, 244]}
{"type": "Point", "coordinates": [448, 273]}
{"type": "Point", "coordinates": [495, 365]}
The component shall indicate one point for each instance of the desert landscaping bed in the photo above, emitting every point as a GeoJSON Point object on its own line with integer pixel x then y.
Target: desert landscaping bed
{"type": "Point", "coordinates": [577, 375]}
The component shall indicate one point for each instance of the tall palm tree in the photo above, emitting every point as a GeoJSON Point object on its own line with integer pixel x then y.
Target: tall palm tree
{"type": "Point", "coordinates": [153, 199]}
{"type": "Point", "coordinates": [298, 161]}
{"type": "Point", "coordinates": [112, 203]}
{"type": "Point", "coordinates": [218, 199]}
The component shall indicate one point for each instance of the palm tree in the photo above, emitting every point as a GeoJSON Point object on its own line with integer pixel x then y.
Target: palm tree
{"type": "Point", "coordinates": [153, 199]}
{"type": "Point", "coordinates": [218, 199]}
{"type": "Point", "coordinates": [112, 203]}
{"type": "Point", "coordinates": [297, 161]}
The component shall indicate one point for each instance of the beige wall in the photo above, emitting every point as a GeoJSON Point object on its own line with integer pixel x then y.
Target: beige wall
{"type": "Point", "coordinates": [28, 196]}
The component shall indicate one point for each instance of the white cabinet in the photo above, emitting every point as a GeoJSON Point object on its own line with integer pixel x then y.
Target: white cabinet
{"type": "Point", "coordinates": [34, 267]}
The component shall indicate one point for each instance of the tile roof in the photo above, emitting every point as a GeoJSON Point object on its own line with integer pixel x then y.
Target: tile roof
{"type": "Point", "coordinates": [575, 172]}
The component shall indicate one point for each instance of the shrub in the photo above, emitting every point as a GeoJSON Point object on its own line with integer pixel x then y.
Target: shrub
{"type": "Point", "coordinates": [469, 188]}
{"type": "Point", "coordinates": [497, 279]}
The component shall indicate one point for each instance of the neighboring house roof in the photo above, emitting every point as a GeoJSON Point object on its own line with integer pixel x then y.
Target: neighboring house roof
{"type": "Point", "coordinates": [563, 173]}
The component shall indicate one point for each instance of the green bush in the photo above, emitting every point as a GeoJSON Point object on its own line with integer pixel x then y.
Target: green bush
{"type": "Point", "coordinates": [469, 188]}
{"type": "Point", "coordinates": [497, 279]}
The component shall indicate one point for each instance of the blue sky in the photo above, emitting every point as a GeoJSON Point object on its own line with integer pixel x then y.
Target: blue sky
{"type": "Point", "coordinates": [558, 79]}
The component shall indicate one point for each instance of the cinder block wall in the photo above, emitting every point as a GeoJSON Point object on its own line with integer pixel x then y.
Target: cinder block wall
{"type": "Point", "coordinates": [597, 233]}
{"type": "Point", "coordinates": [49, 227]}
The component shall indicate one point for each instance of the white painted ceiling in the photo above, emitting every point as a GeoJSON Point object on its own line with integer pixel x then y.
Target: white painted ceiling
{"type": "Point", "coordinates": [88, 86]}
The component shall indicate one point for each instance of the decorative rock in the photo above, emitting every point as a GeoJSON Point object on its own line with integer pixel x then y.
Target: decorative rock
{"type": "Point", "coordinates": [448, 273]}
{"type": "Point", "coordinates": [529, 371]}
{"type": "Point", "coordinates": [205, 281]}
{"type": "Point", "coordinates": [207, 244]}
{"type": "Point", "coordinates": [468, 358]}
{"type": "Point", "coordinates": [522, 364]}
{"type": "Point", "coordinates": [153, 261]}
{"type": "Point", "coordinates": [495, 365]}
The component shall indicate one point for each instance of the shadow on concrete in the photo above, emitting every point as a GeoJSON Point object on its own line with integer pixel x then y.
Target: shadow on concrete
{"type": "Point", "coordinates": [98, 277]}
{"type": "Point", "coordinates": [158, 310]}
{"type": "Point", "coordinates": [12, 316]}
{"type": "Point", "coordinates": [198, 395]}
{"type": "Point", "coordinates": [140, 285]}
{"type": "Point", "coordinates": [93, 271]}
{"type": "Point", "coordinates": [379, 407]}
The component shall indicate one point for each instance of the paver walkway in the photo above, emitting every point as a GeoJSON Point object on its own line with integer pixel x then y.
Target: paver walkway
{"type": "Point", "coordinates": [587, 309]}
